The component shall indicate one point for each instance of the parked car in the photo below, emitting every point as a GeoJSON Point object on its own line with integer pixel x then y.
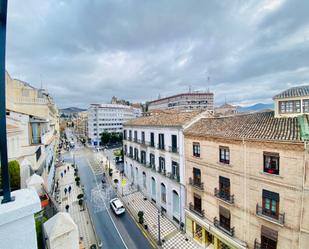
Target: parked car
{"type": "Point", "coordinates": [117, 206]}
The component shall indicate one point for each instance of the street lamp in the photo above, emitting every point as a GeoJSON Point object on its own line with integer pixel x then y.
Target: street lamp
{"type": "Point", "coordinates": [3, 140]}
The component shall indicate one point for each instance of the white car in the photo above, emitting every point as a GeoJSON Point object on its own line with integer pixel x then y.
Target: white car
{"type": "Point", "coordinates": [117, 206]}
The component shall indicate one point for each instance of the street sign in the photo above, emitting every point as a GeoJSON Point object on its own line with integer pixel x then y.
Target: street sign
{"type": "Point", "coordinates": [124, 182]}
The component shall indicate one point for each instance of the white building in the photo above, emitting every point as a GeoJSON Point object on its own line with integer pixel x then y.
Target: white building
{"type": "Point", "coordinates": [153, 147]}
{"type": "Point", "coordinates": [108, 117]}
{"type": "Point", "coordinates": [185, 101]}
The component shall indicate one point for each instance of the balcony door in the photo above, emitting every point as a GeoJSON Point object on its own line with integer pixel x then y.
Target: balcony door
{"type": "Point", "coordinates": [197, 176]}
{"type": "Point", "coordinates": [197, 201]}
{"type": "Point", "coordinates": [225, 218]}
{"type": "Point", "coordinates": [224, 187]}
{"type": "Point", "coordinates": [269, 238]}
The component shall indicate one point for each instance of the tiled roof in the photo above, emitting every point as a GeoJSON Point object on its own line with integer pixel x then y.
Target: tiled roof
{"type": "Point", "coordinates": [256, 126]}
{"type": "Point", "coordinates": [298, 91]}
{"type": "Point", "coordinates": [163, 118]}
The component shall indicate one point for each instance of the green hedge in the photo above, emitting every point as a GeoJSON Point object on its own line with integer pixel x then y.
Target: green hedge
{"type": "Point", "coordinates": [14, 172]}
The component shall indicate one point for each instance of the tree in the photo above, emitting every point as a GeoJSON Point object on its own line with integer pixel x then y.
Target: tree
{"type": "Point", "coordinates": [105, 138]}
{"type": "Point", "coordinates": [14, 173]}
{"type": "Point", "coordinates": [140, 215]}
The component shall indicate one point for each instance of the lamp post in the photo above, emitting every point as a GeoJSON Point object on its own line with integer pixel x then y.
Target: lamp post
{"type": "Point", "coordinates": [3, 140]}
{"type": "Point", "coordinates": [159, 229]}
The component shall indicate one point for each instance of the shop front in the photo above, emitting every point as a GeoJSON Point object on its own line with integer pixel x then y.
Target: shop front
{"type": "Point", "coordinates": [207, 235]}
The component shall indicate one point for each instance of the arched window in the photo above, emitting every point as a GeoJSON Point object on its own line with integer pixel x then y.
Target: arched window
{"type": "Point", "coordinates": [176, 207]}
{"type": "Point", "coordinates": [163, 193]}
{"type": "Point", "coordinates": [153, 187]}
{"type": "Point", "coordinates": [144, 180]}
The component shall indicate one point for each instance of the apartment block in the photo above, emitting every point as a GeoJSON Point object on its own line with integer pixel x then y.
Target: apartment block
{"type": "Point", "coordinates": [247, 179]}
{"type": "Point", "coordinates": [108, 117]}
{"type": "Point", "coordinates": [154, 153]}
{"type": "Point", "coordinates": [33, 129]}
{"type": "Point", "coordinates": [203, 101]}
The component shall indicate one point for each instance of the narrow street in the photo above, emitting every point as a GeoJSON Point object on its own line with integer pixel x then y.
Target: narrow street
{"type": "Point", "coordinates": [114, 232]}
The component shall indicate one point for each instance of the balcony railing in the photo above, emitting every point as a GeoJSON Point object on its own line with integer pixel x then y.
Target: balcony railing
{"type": "Point", "coordinates": [173, 149]}
{"type": "Point", "coordinates": [229, 231]}
{"type": "Point", "coordinates": [264, 213]}
{"type": "Point", "coordinates": [162, 171]}
{"type": "Point", "coordinates": [200, 212]}
{"type": "Point", "coordinates": [129, 138]}
{"type": "Point", "coordinates": [174, 177]}
{"type": "Point", "coordinates": [143, 161]}
{"type": "Point", "coordinates": [135, 140]}
{"type": "Point", "coordinates": [36, 140]}
{"type": "Point", "coordinates": [161, 146]}
{"type": "Point", "coordinates": [137, 159]}
{"type": "Point", "coordinates": [224, 196]}
{"type": "Point", "coordinates": [257, 245]}
{"type": "Point", "coordinates": [196, 183]}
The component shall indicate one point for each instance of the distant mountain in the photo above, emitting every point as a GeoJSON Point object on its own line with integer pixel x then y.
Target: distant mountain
{"type": "Point", "coordinates": [256, 107]}
{"type": "Point", "coordinates": [71, 110]}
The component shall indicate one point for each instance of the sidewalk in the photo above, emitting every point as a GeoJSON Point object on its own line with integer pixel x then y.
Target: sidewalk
{"type": "Point", "coordinates": [171, 236]}
{"type": "Point", "coordinates": [81, 218]}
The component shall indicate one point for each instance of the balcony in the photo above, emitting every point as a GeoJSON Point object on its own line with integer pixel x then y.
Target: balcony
{"type": "Point", "coordinates": [160, 146]}
{"type": "Point", "coordinates": [173, 149]}
{"type": "Point", "coordinates": [200, 212]}
{"type": "Point", "coordinates": [196, 184]}
{"type": "Point", "coordinates": [137, 159]}
{"type": "Point", "coordinates": [228, 231]}
{"type": "Point", "coordinates": [174, 177]}
{"type": "Point", "coordinates": [257, 245]}
{"type": "Point", "coordinates": [162, 171]}
{"type": "Point", "coordinates": [143, 161]}
{"type": "Point", "coordinates": [129, 138]}
{"type": "Point", "coordinates": [135, 140]}
{"type": "Point", "coordinates": [264, 214]}
{"type": "Point", "coordinates": [226, 197]}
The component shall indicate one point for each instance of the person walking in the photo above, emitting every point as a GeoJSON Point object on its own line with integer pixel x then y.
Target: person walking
{"type": "Point", "coordinates": [65, 191]}
{"type": "Point", "coordinates": [61, 175]}
{"type": "Point", "coordinates": [68, 167]}
{"type": "Point", "coordinates": [65, 171]}
{"type": "Point", "coordinates": [69, 189]}
{"type": "Point", "coordinates": [67, 207]}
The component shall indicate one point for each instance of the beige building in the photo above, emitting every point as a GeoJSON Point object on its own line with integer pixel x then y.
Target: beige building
{"type": "Point", "coordinates": [247, 181]}
{"type": "Point", "coordinates": [33, 122]}
{"type": "Point", "coordinates": [81, 125]}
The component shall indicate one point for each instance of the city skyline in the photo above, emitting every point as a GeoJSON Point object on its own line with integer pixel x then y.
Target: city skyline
{"type": "Point", "coordinates": [236, 45]}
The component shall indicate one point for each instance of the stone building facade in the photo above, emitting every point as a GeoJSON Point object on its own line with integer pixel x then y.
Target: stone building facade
{"type": "Point", "coordinates": [247, 181]}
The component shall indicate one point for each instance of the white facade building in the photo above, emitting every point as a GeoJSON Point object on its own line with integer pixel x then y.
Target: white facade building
{"type": "Point", "coordinates": [154, 159]}
{"type": "Point", "coordinates": [108, 117]}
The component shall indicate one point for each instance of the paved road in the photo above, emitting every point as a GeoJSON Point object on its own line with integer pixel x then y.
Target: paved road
{"type": "Point", "coordinates": [115, 232]}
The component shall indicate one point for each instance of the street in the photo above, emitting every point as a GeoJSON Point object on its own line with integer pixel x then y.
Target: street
{"type": "Point", "coordinates": [114, 232]}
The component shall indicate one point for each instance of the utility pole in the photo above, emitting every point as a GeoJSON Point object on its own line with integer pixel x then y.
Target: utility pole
{"type": "Point", "coordinates": [3, 140]}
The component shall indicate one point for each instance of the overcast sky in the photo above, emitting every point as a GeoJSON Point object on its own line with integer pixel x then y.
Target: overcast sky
{"type": "Point", "coordinates": [86, 51]}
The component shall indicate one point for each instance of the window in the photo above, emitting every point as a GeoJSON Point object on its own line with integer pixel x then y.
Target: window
{"type": "Point", "coordinates": [163, 193]}
{"type": "Point", "coordinates": [135, 153]}
{"type": "Point", "coordinates": [197, 200]}
{"type": "Point", "coordinates": [224, 187]}
{"type": "Point", "coordinates": [269, 238]}
{"type": "Point", "coordinates": [271, 163]}
{"type": "Point", "coordinates": [175, 170]}
{"type": "Point", "coordinates": [196, 176]}
{"type": "Point", "coordinates": [270, 203]}
{"type": "Point", "coordinates": [224, 154]}
{"type": "Point", "coordinates": [143, 137]}
{"type": "Point", "coordinates": [152, 159]}
{"type": "Point", "coordinates": [162, 164]}
{"type": "Point", "coordinates": [143, 157]}
{"type": "Point", "coordinates": [174, 143]}
{"type": "Point", "coordinates": [131, 151]}
{"type": "Point", "coordinates": [130, 135]}
{"type": "Point", "coordinates": [306, 105]}
{"type": "Point", "coordinates": [225, 218]}
{"type": "Point", "coordinates": [161, 141]}
{"type": "Point", "coordinates": [152, 139]}
{"type": "Point", "coordinates": [135, 136]}
{"type": "Point", "coordinates": [125, 149]}
{"type": "Point", "coordinates": [125, 134]}
{"type": "Point", "coordinates": [176, 208]}
{"type": "Point", "coordinates": [196, 149]}
{"type": "Point", "coordinates": [292, 106]}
